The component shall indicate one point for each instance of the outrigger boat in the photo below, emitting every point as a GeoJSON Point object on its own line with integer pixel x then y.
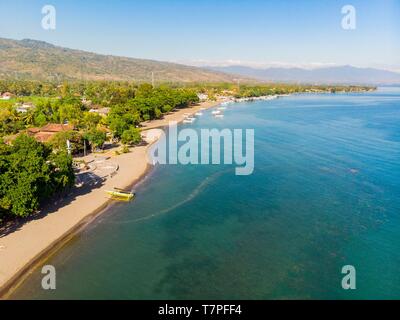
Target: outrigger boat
{"type": "Point", "coordinates": [120, 194]}
{"type": "Point", "coordinates": [189, 120]}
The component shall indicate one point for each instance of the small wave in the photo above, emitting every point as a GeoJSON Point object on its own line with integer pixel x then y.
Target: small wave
{"type": "Point", "coordinates": [189, 198]}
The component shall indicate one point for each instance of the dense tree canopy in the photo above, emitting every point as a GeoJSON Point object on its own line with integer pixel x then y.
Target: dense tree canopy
{"type": "Point", "coordinates": [30, 173]}
{"type": "Point", "coordinates": [71, 103]}
{"type": "Point", "coordinates": [131, 136]}
{"type": "Point", "coordinates": [96, 138]}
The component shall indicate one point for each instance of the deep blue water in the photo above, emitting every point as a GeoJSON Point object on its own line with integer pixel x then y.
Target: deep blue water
{"type": "Point", "coordinates": [325, 193]}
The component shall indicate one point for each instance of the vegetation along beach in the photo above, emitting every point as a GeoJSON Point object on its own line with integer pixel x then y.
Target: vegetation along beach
{"type": "Point", "coordinates": [63, 197]}
{"type": "Point", "coordinates": [199, 150]}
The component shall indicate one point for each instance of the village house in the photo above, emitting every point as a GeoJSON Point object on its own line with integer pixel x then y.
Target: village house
{"type": "Point", "coordinates": [6, 96]}
{"type": "Point", "coordinates": [101, 111]}
{"type": "Point", "coordinates": [44, 134]}
{"type": "Point", "coordinates": [24, 107]}
{"type": "Point", "coordinates": [85, 102]}
{"type": "Point", "coordinates": [202, 96]}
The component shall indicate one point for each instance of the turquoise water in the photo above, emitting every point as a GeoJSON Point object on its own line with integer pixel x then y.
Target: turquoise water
{"type": "Point", "coordinates": [325, 193]}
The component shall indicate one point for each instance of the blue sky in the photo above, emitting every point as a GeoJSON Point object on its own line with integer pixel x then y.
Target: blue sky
{"type": "Point", "coordinates": [299, 32]}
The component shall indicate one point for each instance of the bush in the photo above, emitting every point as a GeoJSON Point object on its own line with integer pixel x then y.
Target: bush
{"type": "Point", "coordinates": [125, 149]}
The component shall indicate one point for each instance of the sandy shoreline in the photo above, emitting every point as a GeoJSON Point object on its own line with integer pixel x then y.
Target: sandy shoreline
{"type": "Point", "coordinates": [29, 244]}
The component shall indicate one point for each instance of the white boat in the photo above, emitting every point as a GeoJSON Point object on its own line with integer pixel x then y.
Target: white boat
{"type": "Point", "coordinates": [199, 113]}
{"type": "Point", "coordinates": [219, 116]}
{"type": "Point", "coordinates": [189, 120]}
{"type": "Point", "coordinates": [221, 108]}
{"type": "Point", "coordinates": [216, 112]}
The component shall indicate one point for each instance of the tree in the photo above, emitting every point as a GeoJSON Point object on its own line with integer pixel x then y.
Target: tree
{"type": "Point", "coordinates": [31, 173]}
{"type": "Point", "coordinates": [118, 124]}
{"type": "Point", "coordinates": [10, 122]}
{"type": "Point", "coordinates": [166, 108]}
{"type": "Point", "coordinates": [96, 138]}
{"type": "Point", "coordinates": [131, 136]}
{"type": "Point", "coordinates": [29, 118]}
{"type": "Point", "coordinates": [65, 90]}
{"type": "Point", "coordinates": [40, 120]}
{"type": "Point", "coordinates": [91, 120]}
{"type": "Point", "coordinates": [59, 141]}
{"type": "Point", "coordinates": [62, 174]}
{"type": "Point", "coordinates": [71, 113]}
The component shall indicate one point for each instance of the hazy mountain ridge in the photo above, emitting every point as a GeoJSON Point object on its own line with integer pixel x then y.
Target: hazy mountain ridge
{"type": "Point", "coordinates": [327, 75]}
{"type": "Point", "coordinates": [32, 59]}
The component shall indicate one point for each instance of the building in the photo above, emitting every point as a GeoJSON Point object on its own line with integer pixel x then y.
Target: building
{"type": "Point", "coordinates": [202, 96]}
{"type": "Point", "coordinates": [6, 96]}
{"type": "Point", "coordinates": [101, 111]}
{"type": "Point", "coordinates": [85, 102]}
{"type": "Point", "coordinates": [44, 134]}
{"type": "Point", "coordinates": [25, 107]}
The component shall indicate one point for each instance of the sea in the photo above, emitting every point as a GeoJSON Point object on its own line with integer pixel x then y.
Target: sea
{"type": "Point", "coordinates": [324, 195]}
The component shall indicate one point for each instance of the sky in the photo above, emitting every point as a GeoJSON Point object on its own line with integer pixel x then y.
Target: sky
{"type": "Point", "coordinates": [304, 33]}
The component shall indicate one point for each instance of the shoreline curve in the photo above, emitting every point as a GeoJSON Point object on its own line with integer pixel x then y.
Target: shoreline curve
{"type": "Point", "coordinates": [10, 280]}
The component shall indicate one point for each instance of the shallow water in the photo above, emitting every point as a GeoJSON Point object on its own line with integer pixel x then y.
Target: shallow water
{"type": "Point", "coordinates": [325, 193]}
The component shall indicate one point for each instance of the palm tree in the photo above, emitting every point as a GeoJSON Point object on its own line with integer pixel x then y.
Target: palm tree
{"type": "Point", "coordinates": [29, 118]}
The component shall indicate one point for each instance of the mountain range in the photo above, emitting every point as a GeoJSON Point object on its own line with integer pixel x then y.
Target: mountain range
{"type": "Point", "coordinates": [326, 75]}
{"type": "Point", "coordinates": [38, 60]}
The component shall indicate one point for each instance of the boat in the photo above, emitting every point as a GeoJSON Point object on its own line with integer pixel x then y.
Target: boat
{"type": "Point", "coordinates": [219, 116]}
{"type": "Point", "coordinates": [199, 113]}
{"type": "Point", "coordinates": [120, 194]}
{"type": "Point", "coordinates": [221, 108]}
{"type": "Point", "coordinates": [216, 112]}
{"type": "Point", "coordinates": [225, 103]}
{"type": "Point", "coordinates": [189, 120]}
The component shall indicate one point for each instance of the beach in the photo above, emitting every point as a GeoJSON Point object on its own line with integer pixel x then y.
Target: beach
{"type": "Point", "coordinates": [323, 195]}
{"type": "Point", "coordinates": [28, 243]}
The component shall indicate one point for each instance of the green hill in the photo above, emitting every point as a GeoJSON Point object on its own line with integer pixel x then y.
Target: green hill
{"type": "Point", "coordinates": [38, 60]}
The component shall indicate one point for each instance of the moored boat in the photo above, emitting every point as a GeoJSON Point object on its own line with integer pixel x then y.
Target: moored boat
{"type": "Point", "coordinates": [121, 195]}
{"type": "Point", "coordinates": [189, 120]}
